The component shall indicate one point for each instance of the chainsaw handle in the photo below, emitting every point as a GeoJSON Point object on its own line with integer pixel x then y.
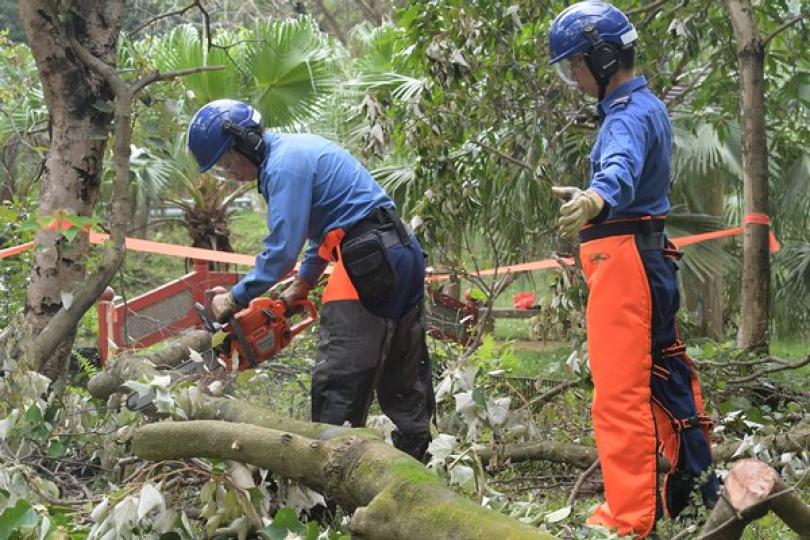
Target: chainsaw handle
{"type": "Point", "coordinates": [312, 316]}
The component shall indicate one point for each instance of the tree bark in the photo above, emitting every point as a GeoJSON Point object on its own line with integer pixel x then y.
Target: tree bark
{"type": "Point", "coordinates": [750, 491]}
{"type": "Point", "coordinates": [75, 97]}
{"type": "Point", "coordinates": [755, 308]}
{"type": "Point", "coordinates": [395, 496]}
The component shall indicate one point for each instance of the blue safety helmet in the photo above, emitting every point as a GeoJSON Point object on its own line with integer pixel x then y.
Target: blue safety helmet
{"type": "Point", "coordinates": [572, 33]}
{"type": "Point", "coordinates": [208, 138]}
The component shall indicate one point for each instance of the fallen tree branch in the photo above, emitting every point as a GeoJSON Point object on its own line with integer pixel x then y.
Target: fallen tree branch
{"type": "Point", "coordinates": [581, 480]}
{"type": "Point", "coordinates": [795, 440]}
{"type": "Point", "coordinates": [144, 362]}
{"type": "Point", "coordinates": [395, 496]}
{"type": "Point", "coordinates": [780, 367]}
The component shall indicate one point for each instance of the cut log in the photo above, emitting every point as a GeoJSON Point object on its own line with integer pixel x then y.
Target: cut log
{"type": "Point", "coordinates": [395, 496]}
{"type": "Point", "coordinates": [144, 362]}
{"type": "Point", "coordinates": [752, 489]}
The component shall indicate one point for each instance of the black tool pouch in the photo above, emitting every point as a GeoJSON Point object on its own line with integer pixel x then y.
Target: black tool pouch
{"type": "Point", "coordinates": [366, 260]}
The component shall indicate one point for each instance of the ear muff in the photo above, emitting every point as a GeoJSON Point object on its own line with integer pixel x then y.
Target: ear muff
{"type": "Point", "coordinates": [248, 141]}
{"type": "Point", "coordinates": [602, 57]}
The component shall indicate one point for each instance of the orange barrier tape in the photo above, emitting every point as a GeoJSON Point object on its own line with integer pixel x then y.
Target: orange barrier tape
{"type": "Point", "coordinates": [8, 252]}
{"type": "Point", "coordinates": [161, 248]}
{"type": "Point", "coordinates": [680, 242]}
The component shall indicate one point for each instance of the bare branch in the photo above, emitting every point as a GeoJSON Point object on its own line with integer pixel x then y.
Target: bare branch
{"type": "Point", "coordinates": [782, 367]}
{"type": "Point", "coordinates": [166, 15]}
{"type": "Point", "coordinates": [581, 480]}
{"type": "Point", "coordinates": [504, 155]}
{"type": "Point", "coordinates": [782, 28]}
{"type": "Point", "coordinates": [141, 83]}
{"type": "Point", "coordinates": [649, 7]}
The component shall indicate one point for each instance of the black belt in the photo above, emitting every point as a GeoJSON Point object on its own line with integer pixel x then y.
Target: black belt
{"type": "Point", "coordinates": [386, 221]}
{"type": "Point", "coordinates": [642, 227]}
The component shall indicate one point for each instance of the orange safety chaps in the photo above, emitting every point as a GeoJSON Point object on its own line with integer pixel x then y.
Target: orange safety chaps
{"type": "Point", "coordinates": [632, 301]}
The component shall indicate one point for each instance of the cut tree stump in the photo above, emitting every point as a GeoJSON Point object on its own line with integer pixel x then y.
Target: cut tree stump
{"type": "Point", "coordinates": [752, 489]}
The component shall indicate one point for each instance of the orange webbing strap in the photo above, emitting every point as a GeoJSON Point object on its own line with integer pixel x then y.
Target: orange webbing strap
{"type": "Point", "coordinates": [763, 219]}
{"type": "Point", "coordinates": [339, 286]}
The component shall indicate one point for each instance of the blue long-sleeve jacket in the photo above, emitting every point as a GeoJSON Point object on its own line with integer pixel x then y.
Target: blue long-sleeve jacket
{"type": "Point", "coordinates": [312, 186]}
{"type": "Point", "coordinates": [631, 160]}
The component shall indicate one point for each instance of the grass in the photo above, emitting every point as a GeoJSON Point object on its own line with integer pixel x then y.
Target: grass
{"type": "Point", "coordinates": [794, 348]}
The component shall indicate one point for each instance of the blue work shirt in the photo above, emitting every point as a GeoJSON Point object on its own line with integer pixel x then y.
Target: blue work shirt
{"type": "Point", "coordinates": [631, 160]}
{"type": "Point", "coordinates": [312, 186]}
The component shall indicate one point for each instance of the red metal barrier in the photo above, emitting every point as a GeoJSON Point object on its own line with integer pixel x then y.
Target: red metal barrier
{"type": "Point", "coordinates": [157, 314]}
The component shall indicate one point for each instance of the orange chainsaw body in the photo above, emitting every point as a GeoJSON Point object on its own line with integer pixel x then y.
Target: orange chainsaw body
{"type": "Point", "coordinates": [266, 331]}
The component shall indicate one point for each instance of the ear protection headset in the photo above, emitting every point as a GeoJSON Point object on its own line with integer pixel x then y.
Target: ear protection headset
{"type": "Point", "coordinates": [248, 141]}
{"type": "Point", "coordinates": [602, 58]}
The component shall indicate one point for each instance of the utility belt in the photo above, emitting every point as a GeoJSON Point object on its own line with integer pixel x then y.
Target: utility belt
{"type": "Point", "coordinates": [648, 230]}
{"type": "Point", "coordinates": [363, 251]}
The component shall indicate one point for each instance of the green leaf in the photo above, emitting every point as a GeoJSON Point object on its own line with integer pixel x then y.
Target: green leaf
{"type": "Point", "coordinates": [479, 398]}
{"type": "Point", "coordinates": [284, 522]}
{"type": "Point", "coordinates": [478, 294]}
{"type": "Point", "coordinates": [21, 516]}
{"type": "Point", "coordinates": [56, 448]}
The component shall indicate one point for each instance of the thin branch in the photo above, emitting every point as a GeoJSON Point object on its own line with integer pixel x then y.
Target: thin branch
{"type": "Point", "coordinates": [581, 480]}
{"type": "Point", "coordinates": [782, 28]}
{"type": "Point", "coordinates": [504, 155]}
{"type": "Point", "coordinates": [653, 6]}
{"type": "Point", "coordinates": [166, 15]}
{"type": "Point", "coordinates": [762, 372]}
{"type": "Point", "coordinates": [141, 83]}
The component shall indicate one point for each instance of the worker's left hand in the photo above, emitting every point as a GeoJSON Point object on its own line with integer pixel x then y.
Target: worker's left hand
{"type": "Point", "coordinates": [582, 206]}
{"type": "Point", "coordinates": [297, 290]}
{"type": "Point", "coordinates": [223, 307]}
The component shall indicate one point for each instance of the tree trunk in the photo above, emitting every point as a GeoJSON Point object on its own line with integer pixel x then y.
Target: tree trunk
{"type": "Point", "coordinates": [750, 490]}
{"type": "Point", "coordinates": [76, 99]}
{"type": "Point", "coordinates": [395, 496]}
{"type": "Point", "coordinates": [755, 316]}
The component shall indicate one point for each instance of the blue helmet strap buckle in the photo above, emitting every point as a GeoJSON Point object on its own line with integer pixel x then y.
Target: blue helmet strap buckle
{"type": "Point", "coordinates": [248, 142]}
{"type": "Point", "coordinates": [602, 58]}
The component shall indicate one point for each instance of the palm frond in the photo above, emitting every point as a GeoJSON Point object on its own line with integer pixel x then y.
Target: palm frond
{"type": "Point", "coordinates": [705, 259]}
{"type": "Point", "coordinates": [293, 71]}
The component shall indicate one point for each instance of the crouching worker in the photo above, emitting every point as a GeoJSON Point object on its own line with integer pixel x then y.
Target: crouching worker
{"type": "Point", "coordinates": [372, 334]}
{"type": "Point", "coordinates": [646, 394]}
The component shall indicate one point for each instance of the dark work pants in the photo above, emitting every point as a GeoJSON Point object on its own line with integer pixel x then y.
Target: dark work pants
{"type": "Point", "coordinates": [360, 352]}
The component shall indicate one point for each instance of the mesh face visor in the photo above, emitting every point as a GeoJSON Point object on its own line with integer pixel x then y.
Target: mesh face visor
{"type": "Point", "coordinates": [565, 72]}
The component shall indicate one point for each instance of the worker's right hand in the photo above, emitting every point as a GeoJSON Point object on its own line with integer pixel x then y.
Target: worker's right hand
{"type": "Point", "coordinates": [223, 307]}
{"type": "Point", "coordinates": [580, 208]}
{"type": "Point", "coordinates": [297, 290]}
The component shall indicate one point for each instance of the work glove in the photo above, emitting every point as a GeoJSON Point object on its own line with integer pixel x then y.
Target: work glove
{"type": "Point", "coordinates": [294, 293]}
{"type": "Point", "coordinates": [580, 208]}
{"type": "Point", "coordinates": [223, 307]}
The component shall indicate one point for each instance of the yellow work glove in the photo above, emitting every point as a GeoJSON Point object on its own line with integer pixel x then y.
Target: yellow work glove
{"type": "Point", "coordinates": [223, 307]}
{"type": "Point", "coordinates": [296, 291]}
{"type": "Point", "coordinates": [582, 206]}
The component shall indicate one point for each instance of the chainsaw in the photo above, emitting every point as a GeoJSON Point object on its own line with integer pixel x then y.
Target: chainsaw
{"type": "Point", "coordinates": [253, 336]}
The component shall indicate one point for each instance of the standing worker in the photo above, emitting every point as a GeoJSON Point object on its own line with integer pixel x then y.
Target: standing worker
{"type": "Point", "coordinates": [372, 334]}
{"type": "Point", "coordinates": [646, 394]}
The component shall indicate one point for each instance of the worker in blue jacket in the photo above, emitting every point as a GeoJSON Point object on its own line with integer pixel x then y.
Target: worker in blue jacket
{"type": "Point", "coordinates": [372, 334]}
{"type": "Point", "coordinates": [647, 398]}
